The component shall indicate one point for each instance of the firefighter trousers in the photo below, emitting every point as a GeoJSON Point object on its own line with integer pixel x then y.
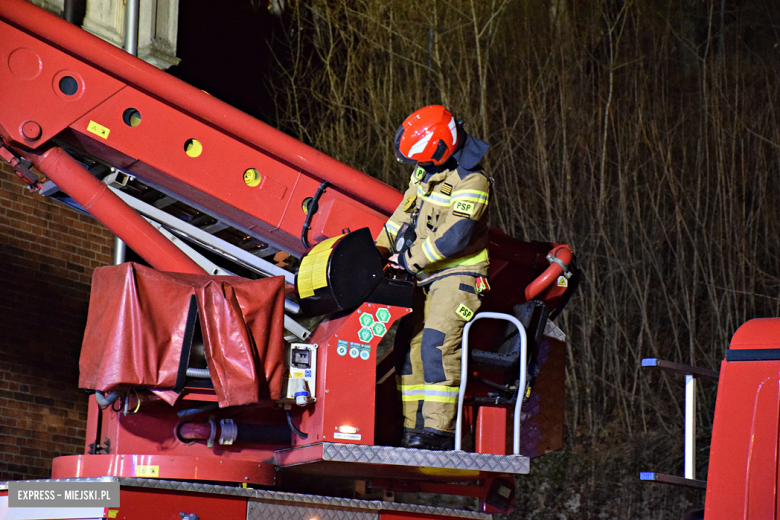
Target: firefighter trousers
{"type": "Point", "coordinates": [430, 375]}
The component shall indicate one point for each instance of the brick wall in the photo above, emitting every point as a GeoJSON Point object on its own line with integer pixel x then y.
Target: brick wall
{"type": "Point", "coordinates": [47, 255]}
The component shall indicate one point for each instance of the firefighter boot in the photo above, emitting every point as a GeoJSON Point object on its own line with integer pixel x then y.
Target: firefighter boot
{"type": "Point", "coordinates": [407, 436]}
{"type": "Point", "coordinates": [428, 440]}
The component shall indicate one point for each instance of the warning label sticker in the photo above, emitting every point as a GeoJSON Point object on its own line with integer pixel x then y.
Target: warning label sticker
{"type": "Point", "coordinates": [98, 129]}
{"type": "Point", "coordinates": [144, 470]}
{"type": "Point", "coordinates": [347, 436]}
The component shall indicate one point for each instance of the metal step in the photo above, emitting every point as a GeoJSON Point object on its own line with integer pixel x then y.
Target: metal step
{"type": "Point", "coordinates": [387, 461]}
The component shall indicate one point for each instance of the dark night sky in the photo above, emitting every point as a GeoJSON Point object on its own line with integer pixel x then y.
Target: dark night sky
{"type": "Point", "coordinates": [224, 50]}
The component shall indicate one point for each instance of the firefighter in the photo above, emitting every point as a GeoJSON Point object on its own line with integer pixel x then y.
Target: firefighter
{"type": "Point", "coordinates": [439, 234]}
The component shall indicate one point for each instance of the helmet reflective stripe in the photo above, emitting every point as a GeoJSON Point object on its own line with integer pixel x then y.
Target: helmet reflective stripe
{"type": "Point", "coordinates": [454, 129]}
{"type": "Point", "coordinates": [420, 145]}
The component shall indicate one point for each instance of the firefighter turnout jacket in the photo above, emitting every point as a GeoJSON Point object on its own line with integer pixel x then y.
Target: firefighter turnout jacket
{"type": "Point", "coordinates": [450, 210]}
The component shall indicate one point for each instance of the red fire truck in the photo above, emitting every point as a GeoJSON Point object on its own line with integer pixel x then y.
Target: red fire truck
{"type": "Point", "coordinates": [248, 373]}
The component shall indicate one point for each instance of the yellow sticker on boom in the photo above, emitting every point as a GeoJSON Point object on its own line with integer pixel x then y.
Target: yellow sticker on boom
{"type": "Point", "coordinates": [464, 312]}
{"type": "Point", "coordinates": [464, 207]}
{"type": "Point", "coordinates": [98, 129]}
{"type": "Point", "coordinates": [146, 470]}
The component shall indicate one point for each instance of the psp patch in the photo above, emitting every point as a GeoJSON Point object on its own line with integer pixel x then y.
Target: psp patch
{"type": "Point", "coordinates": [464, 312]}
{"type": "Point", "coordinates": [463, 209]}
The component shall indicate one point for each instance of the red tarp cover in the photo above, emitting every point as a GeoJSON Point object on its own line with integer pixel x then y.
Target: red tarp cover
{"type": "Point", "coordinates": [136, 324]}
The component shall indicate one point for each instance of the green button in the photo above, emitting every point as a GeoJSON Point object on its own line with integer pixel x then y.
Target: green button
{"type": "Point", "coordinates": [379, 329]}
{"type": "Point", "coordinates": [383, 315]}
{"type": "Point", "coordinates": [365, 335]}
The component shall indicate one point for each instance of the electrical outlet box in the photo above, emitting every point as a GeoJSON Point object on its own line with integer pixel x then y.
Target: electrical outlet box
{"type": "Point", "coordinates": [301, 380]}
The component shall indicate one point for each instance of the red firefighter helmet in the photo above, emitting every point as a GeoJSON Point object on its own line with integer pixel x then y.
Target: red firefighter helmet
{"type": "Point", "coordinates": [429, 135]}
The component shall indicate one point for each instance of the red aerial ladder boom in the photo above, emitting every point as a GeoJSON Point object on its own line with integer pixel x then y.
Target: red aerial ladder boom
{"type": "Point", "coordinates": [141, 119]}
{"type": "Point", "coordinates": [202, 378]}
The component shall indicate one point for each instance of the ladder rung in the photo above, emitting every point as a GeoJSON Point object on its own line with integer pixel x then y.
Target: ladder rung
{"type": "Point", "coordinates": [680, 368]}
{"type": "Point", "coordinates": [673, 480]}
